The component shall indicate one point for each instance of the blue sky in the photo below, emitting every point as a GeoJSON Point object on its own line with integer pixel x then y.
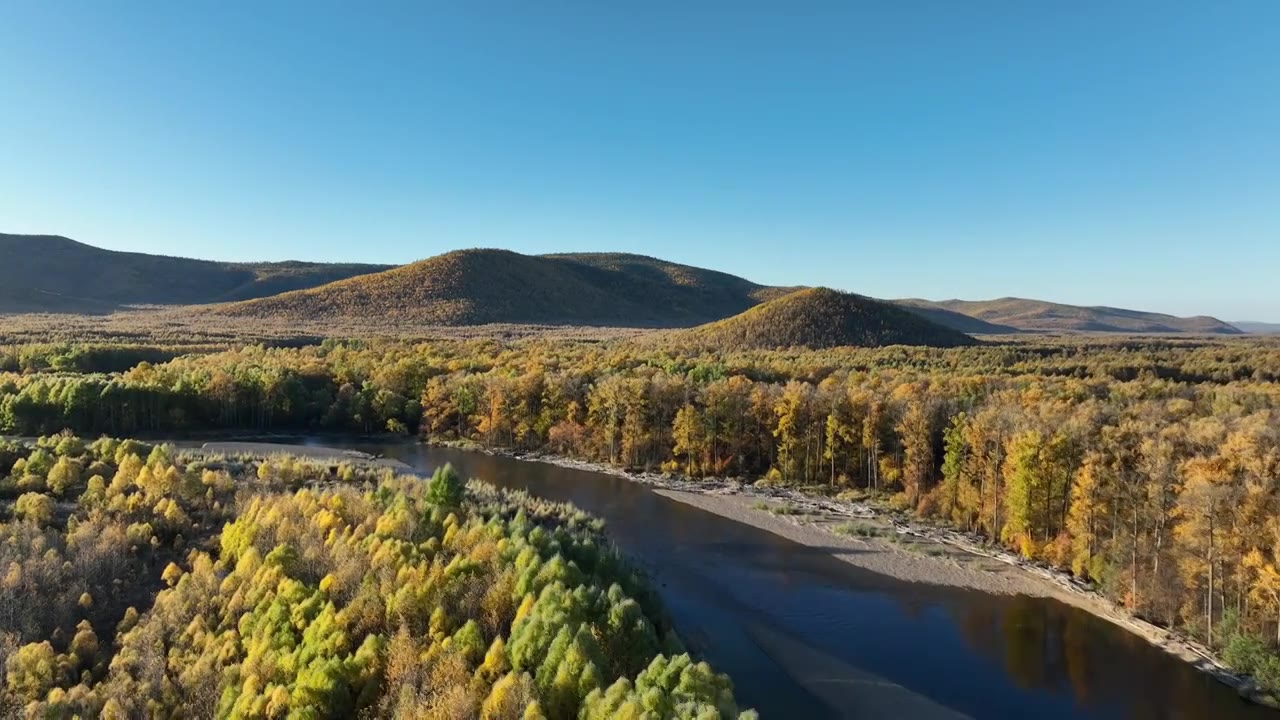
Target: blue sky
{"type": "Point", "coordinates": [1074, 151]}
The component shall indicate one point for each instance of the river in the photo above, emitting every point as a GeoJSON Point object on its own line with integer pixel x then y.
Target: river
{"type": "Point", "coordinates": [804, 635]}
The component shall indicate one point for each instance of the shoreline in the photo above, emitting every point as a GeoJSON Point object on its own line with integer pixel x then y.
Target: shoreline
{"type": "Point", "coordinates": [904, 550]}
{"type": "Point", "coordinates": [315, 453]}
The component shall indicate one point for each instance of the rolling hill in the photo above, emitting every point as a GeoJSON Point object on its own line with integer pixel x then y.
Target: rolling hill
{"type": "Point", "coordinates": [954, 320]}
{"type": "Point", "coordinates": [823, 318]}
{"type": "Point", "coordinates": [476, 287]}
{"type": "Point", "coordinates": [1024, 315]}
{"type": "Point", "coordinates": [50, 273]}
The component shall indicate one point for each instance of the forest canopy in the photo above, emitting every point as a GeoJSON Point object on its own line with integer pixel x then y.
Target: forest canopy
{"type": "Point", "coordinates": [181, 584]}
{"type": "Point", "coordinates": [1147, 467]}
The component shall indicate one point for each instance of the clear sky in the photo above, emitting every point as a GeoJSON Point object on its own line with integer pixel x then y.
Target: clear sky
{"type": "Point", "coordinates": [1123, 153]}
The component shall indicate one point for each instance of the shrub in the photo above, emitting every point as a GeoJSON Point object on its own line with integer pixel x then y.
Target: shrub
{"type": "Point", "coordinates": [862, 529]}
{"type": "Point", "coordinates": [35, 507]}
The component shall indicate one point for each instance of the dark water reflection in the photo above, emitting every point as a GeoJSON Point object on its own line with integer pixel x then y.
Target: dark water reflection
{"type": "Point", "coordinates": [980, 655]}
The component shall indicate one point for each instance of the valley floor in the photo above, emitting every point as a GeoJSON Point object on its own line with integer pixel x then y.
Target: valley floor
{"type": "Point", "coordinates": [187, 327]}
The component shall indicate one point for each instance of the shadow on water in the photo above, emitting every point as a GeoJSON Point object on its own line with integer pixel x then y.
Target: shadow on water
{"type": "Point", "coordinates": [803, 634]}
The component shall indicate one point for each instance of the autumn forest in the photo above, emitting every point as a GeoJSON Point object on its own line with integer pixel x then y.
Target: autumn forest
{"type": "Point", "coordinates": [1146, 467]}
{"type": "Point", "coordinates": [185, 584]}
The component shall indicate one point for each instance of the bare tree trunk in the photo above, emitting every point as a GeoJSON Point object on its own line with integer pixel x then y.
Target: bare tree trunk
{"type": "Point", "coordinates": [1209, 603]}
{"type": "Point", "coordinates": [1133, 557]}
{"type": "Point", "coordinates": [1155, 565]}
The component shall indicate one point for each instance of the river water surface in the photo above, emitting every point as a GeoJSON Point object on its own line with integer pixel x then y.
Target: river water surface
{"type": "Point", "coordinates": [804, 635]}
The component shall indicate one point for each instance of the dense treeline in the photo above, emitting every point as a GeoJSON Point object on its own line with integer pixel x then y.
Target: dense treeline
{"type": "Point", "coordinates": [1148, 467]}
{"type": "Point", "coordinates": [69, 357]}
{"type": "Point", "coordinates": [140, 583]}
{"type": "Point", "coordinates": [368, 387]}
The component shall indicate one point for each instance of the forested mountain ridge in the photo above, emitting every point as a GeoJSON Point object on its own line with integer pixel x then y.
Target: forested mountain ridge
{"type": "Point", "coordinates": [823, 318]}
{"type": "Point", "coordinates": [1042, 316]}
{"type": "Point", "coordinates": [482, 286]}
{"type": "Point", "coordinates": [51, 273]}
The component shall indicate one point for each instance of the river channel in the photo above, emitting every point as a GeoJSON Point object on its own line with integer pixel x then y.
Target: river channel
{"type": "Point", "coordinates": [804, 635]}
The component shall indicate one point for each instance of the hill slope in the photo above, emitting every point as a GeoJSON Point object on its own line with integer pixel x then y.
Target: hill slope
{"type": "Point", "coordinates": [643, 274]}
{"type": "Point", "coordinates": [1041, 316]}
{"type": "Point", "coordinates": [823, 318]}
{"type": "Point", "coordinates": [475, 287]}
{"type": "Point", "coordinates": [50, 273]}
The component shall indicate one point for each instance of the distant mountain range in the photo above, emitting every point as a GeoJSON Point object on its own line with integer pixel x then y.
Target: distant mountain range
{"type": "Point", "coordinates": [50, 273]}
{"type": "Point", "coordinates": [1022, 315]}
{"type": "Point", "coordinates": [1258, 328]}
{"type": "Point", "coordinates": [42, 273]}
